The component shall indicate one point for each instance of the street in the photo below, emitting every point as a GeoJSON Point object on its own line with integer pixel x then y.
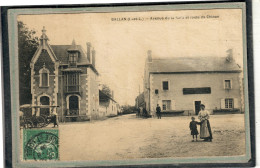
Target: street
{"type": "Point", "coordinates": [128, 137]}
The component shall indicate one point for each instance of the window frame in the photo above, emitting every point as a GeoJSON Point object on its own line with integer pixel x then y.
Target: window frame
{"type": "Point", "coordinates": [41, 77]}
{"type": "Point", "coordinates": [227, 103]}
{"type": "Point", "coordinates": [168, 84]}
{"type": "Point", "coordinates": [166, 103]}
{"type": "Point", "coordinates": [72, 80]}
{"type": "Point", "coordinates": [73, 58]}
{"type": "Point", "coordinates": [225, 84]}
{"type": "Point", "coordinates": [156, 91]}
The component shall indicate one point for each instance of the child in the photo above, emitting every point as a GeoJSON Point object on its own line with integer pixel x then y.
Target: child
{"type": "Point", "coordinates": [193, 128]}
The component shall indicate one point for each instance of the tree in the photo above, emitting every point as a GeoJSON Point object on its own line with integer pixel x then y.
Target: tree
{"type": "Point", "coordinates": [27, 45]}
{"type": "Point", "coordinates": [106, 90]}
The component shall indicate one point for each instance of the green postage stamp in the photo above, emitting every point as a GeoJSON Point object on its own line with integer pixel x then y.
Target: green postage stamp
{"type": "Point", "coordinates": [40, 144]}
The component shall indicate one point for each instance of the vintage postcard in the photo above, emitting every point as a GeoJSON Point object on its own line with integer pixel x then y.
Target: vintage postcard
{"type": "Point", "coordinates": [161, 84]}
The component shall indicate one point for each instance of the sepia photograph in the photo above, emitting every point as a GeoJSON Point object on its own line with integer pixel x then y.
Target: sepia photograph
{"type": "Point", "coordinates": [131, 85]}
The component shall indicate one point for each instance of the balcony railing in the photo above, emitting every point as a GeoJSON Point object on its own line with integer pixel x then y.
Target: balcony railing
{"type": "Point", "coordinates": [72, 88]}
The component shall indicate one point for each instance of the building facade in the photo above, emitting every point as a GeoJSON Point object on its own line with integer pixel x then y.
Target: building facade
{"type": "Point", "coordinates": [181, 84]}
{"type": "Point", "coordinates": [139, 101]}
{"type": "Point", "coordinates": [108, 107]}
{"type": "Point", "coordinates": [64, 79]}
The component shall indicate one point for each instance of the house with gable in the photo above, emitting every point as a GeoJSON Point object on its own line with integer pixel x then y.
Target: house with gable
{"type": "Point", "coordinates": [180, 84]}
{"type": "Point", "coordinates": [64, 77]}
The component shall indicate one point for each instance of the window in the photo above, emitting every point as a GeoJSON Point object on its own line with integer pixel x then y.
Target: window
{"type": "Point", "coordinates": [72, 82]}
{"type": "Point", "coordinates": [165, 85]}
{"type": "Point", "coordinates": [166, 105]}
{"type": "Point", "coordinates": [227, 84]}
{"type": "Point", "coordinates": [44, 77]}
{"type": "Point", "coordinates": [156, 91]}
{"type": "Point", "coordinates": [73, 58]}
{"type": "Point", "coordinates": [229, 103]}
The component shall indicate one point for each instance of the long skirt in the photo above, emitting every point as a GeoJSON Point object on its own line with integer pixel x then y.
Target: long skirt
{"type": "Point", "coordinates": [205, 130]}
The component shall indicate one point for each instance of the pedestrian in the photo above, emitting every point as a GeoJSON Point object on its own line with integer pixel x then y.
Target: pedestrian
{"type": "Point", "coordinates": [158, 111]}
{"type": "Point", "coordinates": [141, 112]}
{"type": "Point", "coordinates": [205, 129]}
{"type": "Point", "coordinates": [145, 112]}
{"type": "Point", "coordinates": [55, 119]}
{"type": "Point", "coordinates": [138, 112]}
{"type": "Point", "coordinates": [193, 128]}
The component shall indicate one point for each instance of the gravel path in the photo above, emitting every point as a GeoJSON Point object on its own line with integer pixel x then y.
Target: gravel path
{"type": "Point", "coordinates": [128, 137]}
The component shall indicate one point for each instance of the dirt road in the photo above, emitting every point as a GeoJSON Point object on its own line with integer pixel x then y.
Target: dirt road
{"type": "Point", "coordinates": [128, 137]}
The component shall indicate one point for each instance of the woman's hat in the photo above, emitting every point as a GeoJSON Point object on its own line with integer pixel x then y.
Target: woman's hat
{"type": "Point", "coordinates": [202, 105]}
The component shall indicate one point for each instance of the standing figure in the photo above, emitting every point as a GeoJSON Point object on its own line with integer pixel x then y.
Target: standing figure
{"type": "Point", "coordinates": [158, 111]}
{"type": "Point", "coordinates": [205, 129]}
{"type": "Point", "coordinates": [145, 112]}
{"type": "Point", "coordinates": [55, 119]}
{"type": "Point", "coordinates": [138, 112]}
{"type": "Point", "coordinates": [193, 128]}
{"type": "Point", "coordinates": [141, 111]}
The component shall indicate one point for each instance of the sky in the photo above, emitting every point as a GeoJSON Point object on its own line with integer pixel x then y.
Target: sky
{"type": "Point", "coordinates": [121, 45]}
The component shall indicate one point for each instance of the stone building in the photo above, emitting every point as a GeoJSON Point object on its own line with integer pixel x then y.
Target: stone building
{"type": "Point", "coordinates": [108, 107]}
{"type": "Point", "coordinates": [181, 84]}
{"type": "Point", "coordinates": [65, 76]}
{"type": "Point", "coordinates": [139, 101]}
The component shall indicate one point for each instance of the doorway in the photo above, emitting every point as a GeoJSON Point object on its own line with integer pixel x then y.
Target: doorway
{"type": "Point", "coordinates": [45, 109]}
{"type": "Point", "coordinates": [73, 105]}
{"type": "Point", "coordinates": [197, 107]}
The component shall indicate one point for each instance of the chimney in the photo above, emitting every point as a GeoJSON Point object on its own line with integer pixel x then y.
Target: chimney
{"type": "Point", "coordinates": [149, 55]}
{"type": "Point", "coordinates": [229, 57]}
{"type": "Point", "coordinates": [88, 51]}
{"type": "Point", "coordinates": [112, 94]}
{"type": "Point", "coordinates": [93, 57]}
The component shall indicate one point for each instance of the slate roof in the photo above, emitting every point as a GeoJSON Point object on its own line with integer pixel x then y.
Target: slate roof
{"type": "Point", "coordinates": [104, 97]}
{"type": "Point", "coordinates": [62, 55]}
{"type": "Point", "coordinates": [192, 64]}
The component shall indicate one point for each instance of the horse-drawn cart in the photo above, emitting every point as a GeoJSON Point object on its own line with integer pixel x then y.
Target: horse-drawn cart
{"type": "Point", "coordinates": [31, 116]}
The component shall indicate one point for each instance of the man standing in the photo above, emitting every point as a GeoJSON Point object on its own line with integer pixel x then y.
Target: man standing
{"type": "Point", "coordinates": [158, 111]}
{"type": "Point", "coordinates": [55, 119]}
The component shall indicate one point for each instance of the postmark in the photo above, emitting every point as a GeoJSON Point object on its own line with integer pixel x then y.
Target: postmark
{"type": "Point", "coordinates": [41, 144]}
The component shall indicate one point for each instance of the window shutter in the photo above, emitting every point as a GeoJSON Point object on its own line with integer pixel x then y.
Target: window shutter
{"type": "Point", "coordinates": [173, 105]}
{"type": "Point", "coordinates": [222, 104]}
{"type": "Point", "coordinates": [236, 105]}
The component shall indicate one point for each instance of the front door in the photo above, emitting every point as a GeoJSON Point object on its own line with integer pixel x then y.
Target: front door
{"type": "Point", "coordinates": [197, 107]}
{"type": "Point", "coordinates": [73, 105]}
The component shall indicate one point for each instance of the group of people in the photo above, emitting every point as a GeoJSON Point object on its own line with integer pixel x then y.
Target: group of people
{"type": "Point", "coordinates": [142, 112]}
{"type": "Point", "coordinates": [205, 129]}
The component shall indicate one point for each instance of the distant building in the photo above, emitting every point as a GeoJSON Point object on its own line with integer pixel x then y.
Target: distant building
{"type": "Point", "coordinates": [65, 76]}
{"type": "Point", "coordinates": [139, 101]}
{"type": "Point", "coordinates": [108, 107]}
{"type": "Point", "coordinates": [182, 84]}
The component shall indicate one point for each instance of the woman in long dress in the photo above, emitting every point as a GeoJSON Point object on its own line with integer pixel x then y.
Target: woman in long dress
{"type": "Point", "coordinates": [205, 129]}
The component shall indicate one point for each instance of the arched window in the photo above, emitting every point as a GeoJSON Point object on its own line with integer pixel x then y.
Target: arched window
{"type": "Point", "coordinates": [44, 77]}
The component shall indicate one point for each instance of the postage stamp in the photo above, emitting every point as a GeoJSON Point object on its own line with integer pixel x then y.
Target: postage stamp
{"type": "Point", "coordinates": [40, 144]}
